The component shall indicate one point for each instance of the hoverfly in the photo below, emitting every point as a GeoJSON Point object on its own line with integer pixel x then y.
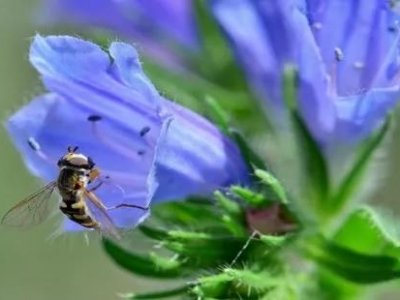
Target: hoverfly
{"type": "Point", "coordinates": [78, 202]}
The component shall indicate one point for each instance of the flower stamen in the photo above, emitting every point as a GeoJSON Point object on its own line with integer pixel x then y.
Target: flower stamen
{"type": "Point", "coordinates": [94, 119]}
{"type": "Point", "coordinates": [144, 131]}
{"type": "Point", "coordinates": [338, 57]}
{"type": "Point", "coordinates": [35, 146]}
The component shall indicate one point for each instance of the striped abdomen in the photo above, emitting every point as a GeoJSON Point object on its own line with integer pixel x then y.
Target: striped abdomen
{"type": "Point", "coordinates": [77, 212]}
{"type": "Point", "coordinates": [71, 187]}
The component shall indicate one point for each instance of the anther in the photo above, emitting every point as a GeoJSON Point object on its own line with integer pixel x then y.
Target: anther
{"type": "Point", "coordinates": [317, 25]}
{"type": "Point", "coordinates": [339, 54]}
{"type": "Point", "coordinates": [33, 144]}
{"type": "Point", "coordinates": [144, 130]}
{"type": "Point", "coordinates": [358, 65]}
{"type": "Point", "coordinates": [141, 152]}
{"type": "Point", "coordinates": [94, 118]}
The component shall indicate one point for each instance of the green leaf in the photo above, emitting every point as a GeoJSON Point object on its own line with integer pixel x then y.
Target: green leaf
{"type": "Point", "coordinates": [273, 241]}
{"type": "Point", "coordinates": [254, 199]}
{"type": "Point", "coordinates": [236, 284]}
{"type": "Point", "coordinates": [353, 179]}
{"type": "Point", "coordinates": [232, 215]}
{"type": "Point", "coordinates": [252, 159]}
{"type": "Point", "coordinates": [147, 265]}
{"type": "Point", "coordinates": [212, 287]}
{"type": "Point", "coordinates": [218, 114]}
{"type": "Point", "coordinates": [290, 86]}
{"type": "Point", "coordinates": [378, 228]}
{"type": "Point", "coordinates": [352, 265]}
{"type": "Point", "coordinates": [274, 184]}
{"type": "Point", "coordinates": [228, 205]}
{"type": "Point", "coordinates": [205, 250]}
{"type": "Point", "coordinates": [197, 249]}
{"type": "Point", "coordinates": [191, 213]}
{"type": "Point", "coordinates": [217, 63]}
{"type": "Point", "coordinates": [315, 169]}
{"type": "Point", "coordinates": [160, 295]}
{"type": "Point", "coordinates": [154, 233]}
{"type": "Point", "coordinates": [316, 173]}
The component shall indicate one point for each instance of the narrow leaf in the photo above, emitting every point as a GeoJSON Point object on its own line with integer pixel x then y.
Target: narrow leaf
{"type": "Point", "coordinates": [316, 173]}
{"type": "Point", "coordinates": [252, 159]}
{"type": "Point", "coordinates": [274, 184]}
{"type": "Point", "coordinates": [162, 294]}
{"type": "Point", "coordinates": [379, 230]}
{"type": "Point", "coordinates": [352, 180]}
{"type": "Point", "coordinates": [252, 198]}
{"type": "Point", "coordinates": [351, 265]}
{"type": "Point", "coordinates": [147, 265]}
{"type": "Point", "coordinates": [218, 114]}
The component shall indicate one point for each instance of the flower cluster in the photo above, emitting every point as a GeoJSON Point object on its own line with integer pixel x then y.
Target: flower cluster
{"type": "Point", "coordinates": [347, 55]}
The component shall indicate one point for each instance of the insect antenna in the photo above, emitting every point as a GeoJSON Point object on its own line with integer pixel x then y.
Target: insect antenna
{"type": "Point", "coordinates": [72, 149]}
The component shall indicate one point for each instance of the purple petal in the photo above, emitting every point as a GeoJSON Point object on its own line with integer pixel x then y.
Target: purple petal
{"type": "Point", "coordinates": [346, 54]}
{"type": "Point", "coordinates": [154, 24]}
{"type": "Point", "coordinates": [110, 109]}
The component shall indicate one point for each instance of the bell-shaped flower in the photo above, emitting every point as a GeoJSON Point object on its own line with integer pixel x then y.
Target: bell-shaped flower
{"type": "Point", "coordinates": [150, 149]}
{"type": "Point", "coordinates": [159, 27]}
{"type": "Point", "coordinates": [346, 53]}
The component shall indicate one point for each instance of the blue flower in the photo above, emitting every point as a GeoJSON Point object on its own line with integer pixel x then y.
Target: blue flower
{"type": "Point", "coordinates": [346, 52]}
{"type": "Point", "coordinates": [159, 27]}
{"type": "Point", "coordinates": [152, 149]}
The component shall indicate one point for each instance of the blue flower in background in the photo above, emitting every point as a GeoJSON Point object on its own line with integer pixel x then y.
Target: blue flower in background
{"type": "Point", "coordinates": [347, 54]}
{"type": "Point", "coordinates": [152, 149]}
{"type": "Point", "coordinates": [159, 27]}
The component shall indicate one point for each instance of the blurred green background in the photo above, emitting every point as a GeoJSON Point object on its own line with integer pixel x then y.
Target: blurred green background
{"type": "Point", "coordinates": [31, 266]}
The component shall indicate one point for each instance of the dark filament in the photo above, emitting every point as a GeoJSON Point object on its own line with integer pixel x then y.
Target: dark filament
{"type": "Point", "coordinates": [144, 130]}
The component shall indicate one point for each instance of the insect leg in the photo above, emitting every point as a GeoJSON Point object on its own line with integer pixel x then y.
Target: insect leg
{"type": "Point", "coordinates": [94, 174]}
{"type": "Point", "coordinates": [96, 187]}
{"type": "Point", "coordinates": [128, 206]}
{"type": "Point", "coordinates": [98, 203]}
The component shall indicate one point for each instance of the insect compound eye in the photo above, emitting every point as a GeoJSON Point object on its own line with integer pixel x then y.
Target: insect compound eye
{"type": "Point", "coordinates": [60, 162]}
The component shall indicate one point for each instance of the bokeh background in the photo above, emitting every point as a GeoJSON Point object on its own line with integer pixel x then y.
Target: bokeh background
{"type": "Point", "coordinates": [31, 265]}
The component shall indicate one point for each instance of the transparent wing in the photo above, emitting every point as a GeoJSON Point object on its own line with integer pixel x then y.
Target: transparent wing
{"type": "Point", "coordinates": [32, 210]}
{"type": "Point", "coordinates": [100, 215]}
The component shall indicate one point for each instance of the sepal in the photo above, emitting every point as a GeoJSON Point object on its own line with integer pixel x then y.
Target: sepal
{"type": "Point", "coordinates": [234, 283]}
{"type": "Point", "coordinates": [314, 166]}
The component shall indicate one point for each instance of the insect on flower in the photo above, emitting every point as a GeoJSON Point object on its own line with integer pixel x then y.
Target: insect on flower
{"type": "Point", "coordinates": [78, 202]}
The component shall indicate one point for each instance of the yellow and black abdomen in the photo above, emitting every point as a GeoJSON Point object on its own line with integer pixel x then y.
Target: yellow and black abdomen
{"type": "Point", "coordinates": [77, 212]}
{"type": "Point", "coordinates": [72, 200]}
